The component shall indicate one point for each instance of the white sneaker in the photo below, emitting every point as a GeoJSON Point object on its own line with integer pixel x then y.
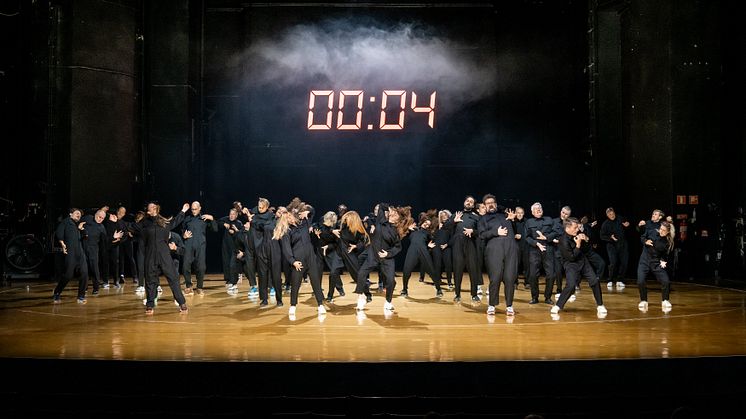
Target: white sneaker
{"type": "Point", "coordinates": [160, 289]}
{"type": "Point", "coordinates": [572, 298]}
{"type": "Point", "coordinates": [233, 288]}
{"type": "Point", "coordinates": [601, 310]}
{"type": "Point", "coordinates": [555, 310]}
{"type": "Point", "coordinates": [609, 285]}
{"type": "Point", "coordinates": [388, 306]}
{"type": "Point", "coordinates": [361, 302]}
{"type": "Point", "coordinates": [491, 310]}
{"type": "Point", "coordinates": [322, 310]}
{"type": "Point", "coordinates": [619, 285]}
{"type": "Point", "coordinates": [509, 311]}
{"type": "Point", "coordinates": [556, 297]}
{"type": "Point", "coordinates": [643, 306]}
{"type": "Point", "coordinates": [479, 290]}
{"type": "Point", "coordinates": [140, 290]}
{"type": "Point", "coordinates": [666, 305]}
{"type": "Point", "coordinates": [291, 312]}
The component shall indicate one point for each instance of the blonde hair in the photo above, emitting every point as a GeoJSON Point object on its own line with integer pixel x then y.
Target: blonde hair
{"type": "Point", "coordinates": [353, 222]}
{"type": "Point", "coordinates": [283, 225]}
{"type": "Point", "coordinates": [671, 233]}
{"type": "Point", "coordinates": [330, 219]}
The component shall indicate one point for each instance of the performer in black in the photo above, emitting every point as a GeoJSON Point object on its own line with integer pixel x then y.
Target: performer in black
{"type": "Point", "coordinates": [442, 253]}
{"type": "Point", "coordinates": [392, 224]}
{"type": "Point", "coordinates": [418, 253]}
{"type": "Point", "coordinates": [245, 254]}
{"type": "Point", "coordinates": [352, 244]}
{"type": "Point", "coordinates": [612, 232]}
{"type": "Point", "coordinates": [539, 233]}
{"type": "Point", "coordinates": [95, 239]}
{"type": "Point", "coordinates": [155, 231]}
{"type": "Point", "coordinates": [292, 230]}
{"type": "Point", "coordinates": [328, 253]}
{"type": "Point", "coordinates": [126, 248]}
{"type": "Point", "coordinates": [69, 236]}
{"type": "Point", "coordinates": [231, 225]}
{"type": "Point", "coordinates": [194, 230]}
{"type": "Point", "coordinates": [519, 226]}
{"type": "Point", "coordinates": [589, 245]}
{"type": "Point", "coordinates": [268, 251]}
{"type": "Point", "coordinates": [463, 226]}
{"type": "Point", "coordinates": [576, 266]}
{"type": "Point", "coordinates": [654, 260]}
{"type": "Point", "coordinates": [496, 230]}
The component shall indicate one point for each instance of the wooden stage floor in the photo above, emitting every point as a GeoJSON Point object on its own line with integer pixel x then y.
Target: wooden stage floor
{"type": "Point", "coordinates": [705, 321]}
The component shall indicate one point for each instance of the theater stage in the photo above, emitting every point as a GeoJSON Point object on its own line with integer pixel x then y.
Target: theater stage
{"type": "Point", "coordinates": [429, 350]}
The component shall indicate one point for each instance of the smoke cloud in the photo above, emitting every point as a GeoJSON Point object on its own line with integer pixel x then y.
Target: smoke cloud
{"type": "Point", "coordinates": [341, 54]}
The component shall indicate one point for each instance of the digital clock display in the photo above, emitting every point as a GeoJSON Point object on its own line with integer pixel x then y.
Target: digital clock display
{"type": "Point", "coordinates": [350, 107]}
{"type": "Point", "coordinates": [417, 105]}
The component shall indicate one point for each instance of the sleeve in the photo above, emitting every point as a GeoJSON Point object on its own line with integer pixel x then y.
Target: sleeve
{"type": "Point", "coordinates": [530, 239]}
{"type": "Point", "coordinates": [605, 234]}
{"type": "Point", "coordinates": [176, 221]}
{"type": "Point", "coordinates": [569, 253]}
{"type": "Point", "coordinates": [485, 232]}
{"type": "Point", "coordinates": [60, 232]}
{"type": "Point", "coordinates": [287, 249]}
{"type": "Point", "coordinates": [394, 250]}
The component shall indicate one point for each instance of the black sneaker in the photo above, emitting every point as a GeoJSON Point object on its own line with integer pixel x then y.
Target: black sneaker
{"type": "Point", "coordinates": [439, 294]}
{"type": "Point", "coordinates": [280, 304]}
{"type": "Point", "coordinates": [368, 298]}
{"type": "Point", "coordinates": [263, 303]}
{"type": "Point", "coordinates": [404, 293]}
{"type": "Point", "coordinates": [534, 301]}
{"type": "Point", "coordinates": [475, 299]}
{"type": "Point", "coordinates": [457, 299]}
{"type": "Point", "coordinates": [548, 301]}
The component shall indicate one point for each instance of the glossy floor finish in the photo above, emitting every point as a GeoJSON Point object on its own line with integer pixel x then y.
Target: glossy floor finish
{"type": "Point", "coordinates": [705, 321]}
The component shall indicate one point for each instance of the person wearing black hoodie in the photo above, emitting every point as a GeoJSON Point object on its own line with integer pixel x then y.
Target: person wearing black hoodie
{"type": "Point", "coordinates": [463, 226]}
{"type": "Point", "coordinates": [496, 230]}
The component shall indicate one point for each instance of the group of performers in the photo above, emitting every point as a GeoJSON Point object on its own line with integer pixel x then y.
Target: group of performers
{"type": "Point", "coordinates": [265, 244]}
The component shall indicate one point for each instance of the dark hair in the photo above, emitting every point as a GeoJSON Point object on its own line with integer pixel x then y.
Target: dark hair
{"type": "Point", "coordinates": [570, 221]}
{"type": "Point", "coordinates": [488, 196]}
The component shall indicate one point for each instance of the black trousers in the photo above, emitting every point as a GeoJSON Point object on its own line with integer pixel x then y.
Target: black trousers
{"type": "Point", "coordinates": [419, 255]}
{"type": "Point", "coordinates": [465, 256]}
{"type": "Point", "coordinates": [523, 260]}
{"type": "Point", "coordinates": [74, 263]}
{"type": "Point", "coordinates": [127, 260]}
{"type": "Point", "coordinates": [334, 262]}
{"type": "Point", "coordinates": [309, 267]}
{"type": "Point", "coordinates": [502, 266]}
{"type": "Point", "coordinates": [113, 264]}
{"type": "Point", "coordinates": [537, 259]}
{"type": "Point", "coordinates": [386, 272]}
{"type": "Point", "coordinates": [230, 275]}
{"type": "Point", "coordinates": [194, 261]}
{"type": "Point", "coordinates": [269, 268]}
{"type": "Point", "coordinates": [92, 253]}
{"type": "Point", "coordinates": [443, 262]}
{"type": "Point", "coordinates": [162, 262]}
{"type": "Point", "coordinates": [576, 270]}
{"type": "Point", "coordinates": [598, 264]}
{"type": "Point", "coordinates": [646, 267]}
{"type": "Point", "coordinates": [247, 265]}
{"type": "Point", "coordinates": [618, 259]}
